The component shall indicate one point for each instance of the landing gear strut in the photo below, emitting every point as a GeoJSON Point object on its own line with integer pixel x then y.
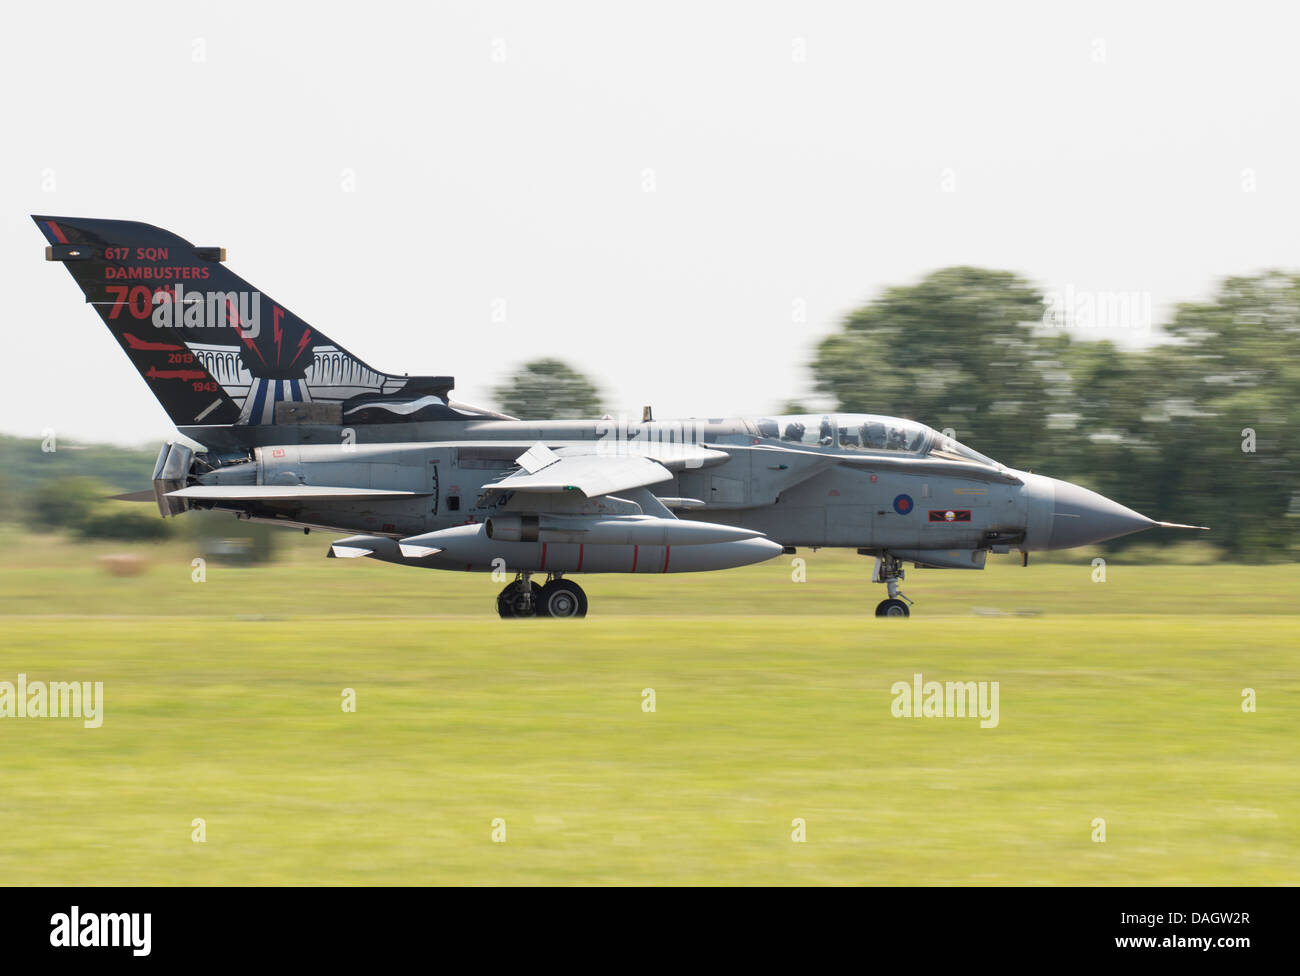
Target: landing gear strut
{"type": "Point", "coordinates": [519, 599]}
{"type": "Point", "coordinates": [889, 570]}
{"type": "Point", "coordinates": [558, 598]}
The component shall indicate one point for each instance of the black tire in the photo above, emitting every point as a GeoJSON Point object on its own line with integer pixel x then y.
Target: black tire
{"type": "Point", "coordinates": [509, 601]}
{"type": "Point", "coordinates": [892, 608]}
{"type": "Point", "coordinates": [562, 598]}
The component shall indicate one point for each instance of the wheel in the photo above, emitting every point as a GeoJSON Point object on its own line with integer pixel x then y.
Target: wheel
{"type": "Point", "coordinates": [510, 600]}
{"type": "Point", "coordinates": [562, 598]}
{"type": "Point", "coordinates": [892, 608]}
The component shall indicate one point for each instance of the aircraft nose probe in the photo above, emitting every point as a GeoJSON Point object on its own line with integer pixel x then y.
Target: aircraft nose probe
{"type": "Point", "coordinates": [1081, 517]}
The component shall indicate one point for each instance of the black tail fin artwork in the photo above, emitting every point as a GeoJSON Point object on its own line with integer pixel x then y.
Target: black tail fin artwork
{"type": "Point", "coordinates": [216, 351]}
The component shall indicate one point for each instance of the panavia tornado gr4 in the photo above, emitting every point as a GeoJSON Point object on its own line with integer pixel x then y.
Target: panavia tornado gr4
{"type": "Point", "coordinates": [295, 430]}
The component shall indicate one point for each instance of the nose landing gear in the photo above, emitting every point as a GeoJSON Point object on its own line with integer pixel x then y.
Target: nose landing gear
{"type": "Point", "coordinates": [889, 570]}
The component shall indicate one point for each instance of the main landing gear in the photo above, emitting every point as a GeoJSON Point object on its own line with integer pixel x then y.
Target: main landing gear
{"type": "Point", "coordinates": [519, 599]}
{"type": "Point", "coordinates": [558, 598]}
{"type": "Point", "coordinates": [889, 570]}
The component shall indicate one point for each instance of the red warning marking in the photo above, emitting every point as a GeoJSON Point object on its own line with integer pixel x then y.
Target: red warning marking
{"type": "Point", "coordinates": [635, 554]}
{"type": "Point", "coordinates": [667, 551]}
{"type": "Point", "coordinates": [175, 374]}
{"type": "Point", "coordinates": [581, 546]}
{"type": "Point", "coordinates": [543, 565]}
{"type": "Point", "coordinates": [137, 343]}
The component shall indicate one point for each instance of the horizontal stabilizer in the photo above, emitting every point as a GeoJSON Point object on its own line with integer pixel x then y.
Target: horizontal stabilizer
{"type": "Point", "coordinates": [135, 496]}
{"type": "Point", "coordinates": [283, 493]}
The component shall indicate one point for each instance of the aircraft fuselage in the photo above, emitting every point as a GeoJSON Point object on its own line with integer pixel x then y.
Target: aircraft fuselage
{"type": "Point", "coordinates": [942, 513]}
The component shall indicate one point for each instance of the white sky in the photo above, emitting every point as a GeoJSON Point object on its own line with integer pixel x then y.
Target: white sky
{"type": "Point", "coordinates": [1101, 149]}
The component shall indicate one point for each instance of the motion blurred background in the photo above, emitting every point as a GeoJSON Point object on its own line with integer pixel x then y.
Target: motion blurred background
{"type": "Point", "coordinates": [1065, 233]}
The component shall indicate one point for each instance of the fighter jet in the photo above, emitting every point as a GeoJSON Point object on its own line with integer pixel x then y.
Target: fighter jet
{"type": "Point", "coordinates": [297, 431]}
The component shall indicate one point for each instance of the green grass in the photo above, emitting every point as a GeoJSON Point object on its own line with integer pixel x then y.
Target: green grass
{"type": "Point", "coordinates": [1118, 700]}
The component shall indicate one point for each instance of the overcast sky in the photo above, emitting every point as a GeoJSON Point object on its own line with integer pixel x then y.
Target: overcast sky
{"type": "Point", "coordinates": [652, 191]}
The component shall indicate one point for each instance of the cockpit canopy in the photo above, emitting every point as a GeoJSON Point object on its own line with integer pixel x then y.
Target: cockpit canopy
{"type": "Point", "coordinates": [866, 432]}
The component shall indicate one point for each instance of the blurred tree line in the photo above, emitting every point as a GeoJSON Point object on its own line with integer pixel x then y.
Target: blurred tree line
{"type": "Point", "coordinates": [548, 389]}
{"type": "Point", "coordinates": [53, 485]}
{"type": "Point", "coordinates": [1199, 427]}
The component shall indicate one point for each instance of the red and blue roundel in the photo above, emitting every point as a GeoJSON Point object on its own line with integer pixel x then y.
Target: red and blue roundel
{"type": "Point", "coordinates": [903, 505]}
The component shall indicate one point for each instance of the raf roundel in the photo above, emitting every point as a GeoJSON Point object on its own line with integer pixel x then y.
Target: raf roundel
{"type": "Point", "coordinates": [903, 504]}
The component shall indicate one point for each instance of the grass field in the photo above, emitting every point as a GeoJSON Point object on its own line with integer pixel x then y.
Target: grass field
{"type": "Point", "coordinates": [1118, 700]}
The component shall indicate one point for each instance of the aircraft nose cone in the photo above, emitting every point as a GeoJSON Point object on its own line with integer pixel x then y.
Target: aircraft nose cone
{"type": "Point", "coordinates": [1081, 517]}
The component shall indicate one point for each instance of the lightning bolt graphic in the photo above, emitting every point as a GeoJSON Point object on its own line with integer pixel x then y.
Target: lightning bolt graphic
{"type": "Point", "coordinates": [302, 344]}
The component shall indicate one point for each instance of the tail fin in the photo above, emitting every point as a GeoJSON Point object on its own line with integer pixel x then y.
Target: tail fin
{"type": "Point", "coordinates": [214, 350]}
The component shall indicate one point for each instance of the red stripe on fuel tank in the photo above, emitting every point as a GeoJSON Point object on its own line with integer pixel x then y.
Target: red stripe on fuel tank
{"type": "Point", "coordinates": [667, 550]}
{"type": "Point", "coordinates": [635, 554]}
{"type": "Point", "coordinates": [580, 548]}
{"type": "Point", "coordinates": [543, 566]}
